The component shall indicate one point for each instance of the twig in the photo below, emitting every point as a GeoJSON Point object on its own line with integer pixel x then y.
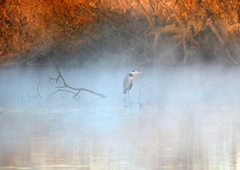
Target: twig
{"type": "Point", "coordinates": [139, 95]}
{"type": "Point", "coordinates": [35, 96]}
{"type": "Point", "coordinates": [31, 96]}
{"type": "Point", "coordinates": [38, 90]}
{"type": "Point", "coordinates": [65, 85]}
{"type": "Point", "coordinates": [75, 95]}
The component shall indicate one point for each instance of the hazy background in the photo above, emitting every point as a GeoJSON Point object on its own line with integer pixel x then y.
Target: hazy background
{"type": "Point", "coordinates": [182, 112]}
{"type": "Point", "coordinates": [188, 119]}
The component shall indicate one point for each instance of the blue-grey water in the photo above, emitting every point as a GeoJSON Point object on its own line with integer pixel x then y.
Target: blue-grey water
{"type": "Point", "coordinates": [173, 118]}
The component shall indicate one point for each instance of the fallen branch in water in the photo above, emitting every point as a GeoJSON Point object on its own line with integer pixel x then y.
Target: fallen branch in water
{"type": "Point", "coordinates": [65, 85]}
{"type": "Point", "coordinates": [35, 96]}
{"type": "Point", "coordinates": [31, 96]}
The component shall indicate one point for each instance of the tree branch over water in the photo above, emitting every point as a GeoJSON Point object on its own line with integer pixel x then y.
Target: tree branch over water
{"type": "Point", "coordinates": [68, 88]}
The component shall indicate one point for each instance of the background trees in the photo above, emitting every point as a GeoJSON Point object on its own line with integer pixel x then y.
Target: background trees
{"type": "Point", "coordinates": [76, 32]}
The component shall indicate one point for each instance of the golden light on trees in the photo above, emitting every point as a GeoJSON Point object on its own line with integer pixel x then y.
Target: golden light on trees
{"type": "Point", "coordinates": [54, 27]}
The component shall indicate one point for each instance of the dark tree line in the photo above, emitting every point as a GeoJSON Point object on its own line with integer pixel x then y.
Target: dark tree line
{"type": "Point", "coordinates": [77, 32]}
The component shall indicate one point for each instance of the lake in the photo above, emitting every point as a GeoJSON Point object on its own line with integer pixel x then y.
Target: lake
{"type": "Point", "coordinates": [173, 118]}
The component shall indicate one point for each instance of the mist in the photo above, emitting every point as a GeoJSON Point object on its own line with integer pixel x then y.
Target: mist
{"type": "Point", "coordinates": [181, 113]}
{"type": "Point", "coordinates": [183, 117]}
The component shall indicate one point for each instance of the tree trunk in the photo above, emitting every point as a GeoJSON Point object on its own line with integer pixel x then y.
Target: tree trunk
{"type": "Point", "coordinates": [220, 39]}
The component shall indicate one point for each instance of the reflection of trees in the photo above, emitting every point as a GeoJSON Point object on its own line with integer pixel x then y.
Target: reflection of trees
{"type": "Point", "coordinates": [147, 30]}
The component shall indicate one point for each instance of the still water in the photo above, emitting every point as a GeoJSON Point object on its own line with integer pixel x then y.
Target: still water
{"type": "Point", "coordinates": [181, 119]}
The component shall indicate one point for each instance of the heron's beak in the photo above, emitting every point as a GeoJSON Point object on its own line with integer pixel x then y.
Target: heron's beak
{"type": "Point", "coordinates": [139, 72]}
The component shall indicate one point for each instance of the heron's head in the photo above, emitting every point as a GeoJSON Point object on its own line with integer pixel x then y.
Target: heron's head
{"type": "Point", "coordinates": [135, 72]}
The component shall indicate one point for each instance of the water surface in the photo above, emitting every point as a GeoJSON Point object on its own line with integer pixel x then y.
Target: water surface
{"type": "Point", "coordinates": [184, 118]}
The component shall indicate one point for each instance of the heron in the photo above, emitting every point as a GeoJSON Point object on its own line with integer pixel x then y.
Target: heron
{"type": "Point", "coordinates": [129, 81]}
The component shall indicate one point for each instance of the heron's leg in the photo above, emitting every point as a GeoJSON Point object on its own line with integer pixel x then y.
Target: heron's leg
{"type": "Point", "coordinates": [128, 96]}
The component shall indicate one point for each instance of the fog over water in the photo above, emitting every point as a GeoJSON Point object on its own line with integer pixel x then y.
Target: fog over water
{"type": "Point", "coordinates": [185, 117]}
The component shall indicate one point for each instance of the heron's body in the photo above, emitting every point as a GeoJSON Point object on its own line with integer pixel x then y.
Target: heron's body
{"type": "Point", "coordinates": [129, 81]}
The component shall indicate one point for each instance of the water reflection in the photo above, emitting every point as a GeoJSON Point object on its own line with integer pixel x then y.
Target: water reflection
{"type": "Point", "coordinates": [151, 137]}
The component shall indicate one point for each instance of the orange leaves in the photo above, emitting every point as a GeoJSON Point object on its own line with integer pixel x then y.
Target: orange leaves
{"type": "Point", "coordinates": [27, 24]}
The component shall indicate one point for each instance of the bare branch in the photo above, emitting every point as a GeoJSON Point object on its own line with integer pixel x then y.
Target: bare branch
{"type": "Point", "coordinates": [144, 12]}
{"type": "Point", "coordinates": [38, 90]}
{"type": "Point", "coordinates": [139, 95]}
{"type": "Point", "coordinates": [138, 102]}
{"type": "Point", "coordinates": [31, 96]}
{"type": "Point", "coordinates": [78, 90]}
{"type": "Point", "coordinates": [220, 39]}
{"type": "Point", "coordinates": [76, 96]}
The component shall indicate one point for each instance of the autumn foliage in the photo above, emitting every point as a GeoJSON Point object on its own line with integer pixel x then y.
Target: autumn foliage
{"type": "Point", "coordinates": [77, 32]}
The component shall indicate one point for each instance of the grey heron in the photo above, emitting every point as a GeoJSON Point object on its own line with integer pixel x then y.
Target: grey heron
{"type": "Point", "coordinates": [129, 80]}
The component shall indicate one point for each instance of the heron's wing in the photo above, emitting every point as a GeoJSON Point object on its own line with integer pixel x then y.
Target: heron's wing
{"type": "Point", "coordinates": [127, 84]}
{"type": "Point", "coordinates": [127, 81]}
